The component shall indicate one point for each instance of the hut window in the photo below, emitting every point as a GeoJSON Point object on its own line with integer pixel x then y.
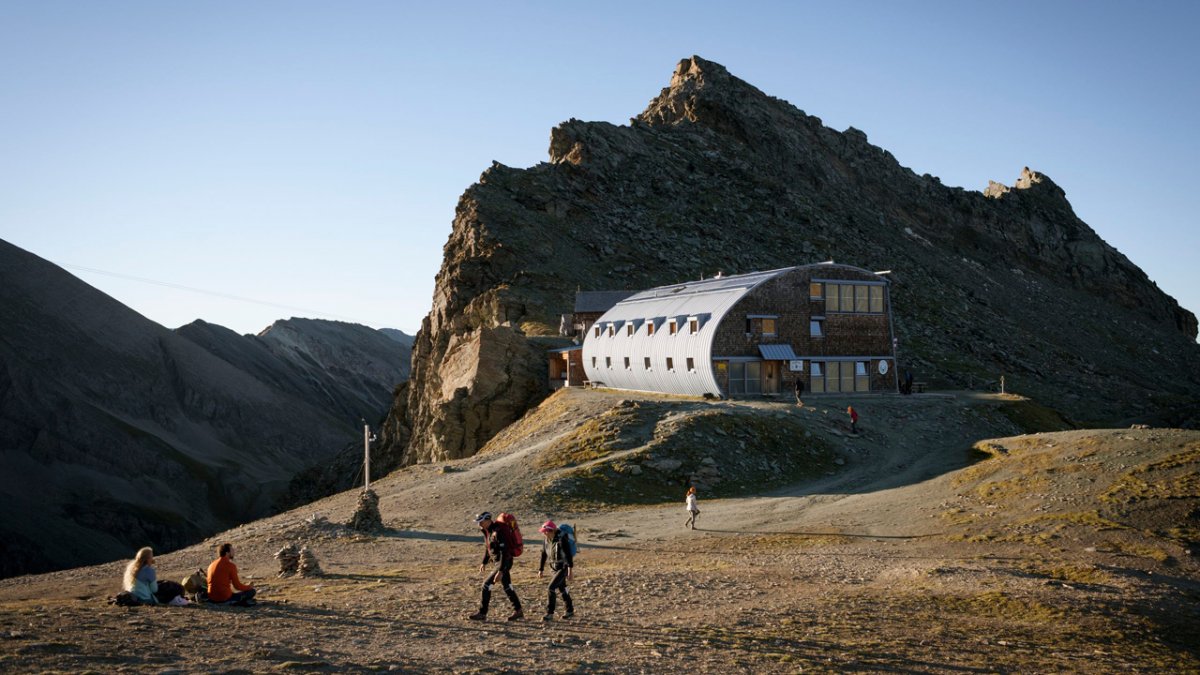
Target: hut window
{"type": "Point", "coordinates": [593, 362]}
{"type": "Point", "coordinates": [861, 381]}
{"type": "Point", "coordinates": [847, 372]}
{"type": "Point", "coordinates": [673, 327]}
{"type": "Point", "coordinates": [816, 291]}
{"type": "Point", "coordinates": [737, 377]}
{"type": "Point", "coordinates": [816, 328]}
{"type": "Point", "coordinates": [847, 293]}
{"type": "Point", "coordinates": [749, 326]}
{"type": "Point", "coordinates": [597, 331]}
{"type": "Point", "coordinates": [649, 327]}
{"type": "Point", "coordinates": [816, 378]}
{"type": "Point", "coordinates": [626, 363]}
{"type": "Point", "coordinates": [611, 330]}
{"type": "Point", "coordinates": [768, 326]}
{"type": "Point", "coordinates": [831, 298]}
{"type": "Point", "coordinates": [876, 299]}
{"type": "Point", "coordinates": [832, 383]}
{"type": "Point", "coordinates": [629, 330]}
{"type": "Point", "coordinates": [691, 364]}
{"type": "Point", "coordinates": [693, 326]}
{"type": "Point", "coordinates": [861, 304]}
{"type": "Point", "coordinates": [608, 362]}
{"type": "Point", "coordinates": [646, 362]}
{"type": "Point", "coordinates": [670, 363]}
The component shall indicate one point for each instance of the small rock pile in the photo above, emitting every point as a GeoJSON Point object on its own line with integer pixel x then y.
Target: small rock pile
{"type": "Point", "coordinates": [309, 567]}
{"type": "Point", "coordinates": [289, 560]}
{"type": "Point", "coordinates": [367, 517]}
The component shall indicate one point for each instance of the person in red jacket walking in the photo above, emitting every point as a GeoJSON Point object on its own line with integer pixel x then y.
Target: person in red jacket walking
{"type": "Point", "coordinates": [222, 574]}
{"type": "Point", "coordinates": [853, 419]}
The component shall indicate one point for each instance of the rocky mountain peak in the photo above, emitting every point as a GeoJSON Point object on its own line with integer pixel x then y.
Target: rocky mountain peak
{"type": "Point", "coordinates": [715, 174]}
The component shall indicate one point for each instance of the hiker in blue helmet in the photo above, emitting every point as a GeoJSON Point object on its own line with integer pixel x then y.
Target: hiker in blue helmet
{"type": "Point", "coordinates": [498, 548]}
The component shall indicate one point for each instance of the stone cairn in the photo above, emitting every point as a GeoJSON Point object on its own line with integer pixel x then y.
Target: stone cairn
{"type": "Point", "coordinates": [366, 517]}
{"type": "Point", "coordinates": [289, 560]}
{"type": "Point", "coordinates": [309, 567]}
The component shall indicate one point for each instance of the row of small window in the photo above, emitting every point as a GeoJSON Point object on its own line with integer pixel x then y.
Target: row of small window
{"type": "Point", "coordinates": [859, 298]}
{"type": "Point", "coordinates": [836, 376]}
{"type": "Point", "coordinates": [672, 327]}
{"type": "Point", "coordinates": [691, 363]}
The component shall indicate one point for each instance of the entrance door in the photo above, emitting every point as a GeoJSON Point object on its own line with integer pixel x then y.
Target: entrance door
{"type": "Point", "coordinates": [770, 377]}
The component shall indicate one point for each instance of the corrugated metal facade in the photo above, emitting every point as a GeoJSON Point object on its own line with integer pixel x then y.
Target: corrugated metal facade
{"type": "Point", "coordinates": [605, 356]}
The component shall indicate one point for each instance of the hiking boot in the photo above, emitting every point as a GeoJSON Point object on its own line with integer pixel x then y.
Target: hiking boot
{"type": "Point", "coordinates": [548, 617]}
{"type": "Point", "coordinates": [478, 616]}
{"type": "Point", "coordinates": [516, 616]}
{"type": "Point", "coordinates": [570, 613]}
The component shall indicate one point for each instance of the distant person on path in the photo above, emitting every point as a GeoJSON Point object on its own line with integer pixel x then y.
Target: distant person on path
{"type": "Point", "coordinates": [799, 392]}
{"type": "Point", "coordinates": [908, 379]}
{"type": "Point", "coordinates": [222, 574]}
{"type": "Point", "coordinates": [141, 579]}
{"type": "Point", "coordinates": [556, 549]}
{"type": "Point", "coordinates": [693, 510]}
{"type": "Point", "coordinates": [853, 419]}
{"type": "Point", "coordinates": [496, 547]}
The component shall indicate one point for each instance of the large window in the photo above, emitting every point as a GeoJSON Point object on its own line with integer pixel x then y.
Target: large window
{"type": "Point", "coordinates": [857, 298]}
{"type": "Point", "coordinates": [841, 376]}
{"type": "Point", "coordinates": [816, 291]}
{"type": "Point", "coordinates": [768, 326]}
{"type": "Point", "coordinates": [816, 378]}
{"type": "Point", "coordinates": [876, 299]}
{"type": "Point", "coordinates": [862, 381]}
{"type": "Point", "coordinates": [745, 377]}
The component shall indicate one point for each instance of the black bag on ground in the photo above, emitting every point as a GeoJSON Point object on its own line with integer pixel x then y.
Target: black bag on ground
{"type": "Point", "coordinates": [168, 591]}
{"type": "Point", "coordinates": [124, 599]}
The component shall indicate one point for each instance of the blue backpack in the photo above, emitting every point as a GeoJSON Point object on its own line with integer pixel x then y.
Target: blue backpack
{"type": "Point", "coordinates": [567, 533]}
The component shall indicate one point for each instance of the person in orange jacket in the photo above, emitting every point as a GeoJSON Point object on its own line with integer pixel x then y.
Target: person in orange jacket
{"type": "Point", "coordinates": [222, 574]}
{"type": "Point", "coordinates": [853, 419]}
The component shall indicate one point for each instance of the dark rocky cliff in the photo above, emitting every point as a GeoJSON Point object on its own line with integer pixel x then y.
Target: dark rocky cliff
{"type": "Point", "coordinates": [716, 175]}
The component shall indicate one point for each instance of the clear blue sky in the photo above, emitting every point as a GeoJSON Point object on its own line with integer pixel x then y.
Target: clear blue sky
{"type": "Point", "coordinates": [311, 154]}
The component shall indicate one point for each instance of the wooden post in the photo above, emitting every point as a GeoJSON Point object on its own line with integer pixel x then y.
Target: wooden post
{"type": "Point", "coordinates": [366, 456]}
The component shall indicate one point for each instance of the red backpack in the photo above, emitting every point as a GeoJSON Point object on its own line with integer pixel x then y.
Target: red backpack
{"type": "Point", "coordinates": [512, 533]}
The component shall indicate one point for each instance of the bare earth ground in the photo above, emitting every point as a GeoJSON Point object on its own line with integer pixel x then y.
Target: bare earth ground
{"type": "Point", "coordinates": [1062, 552]}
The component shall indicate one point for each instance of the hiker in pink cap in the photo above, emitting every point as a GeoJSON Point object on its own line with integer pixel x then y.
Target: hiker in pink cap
{"type": "Point", "coordinates": [558, 547]}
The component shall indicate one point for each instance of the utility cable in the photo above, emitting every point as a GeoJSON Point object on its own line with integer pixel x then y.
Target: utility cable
{"type": "Point", "coordinates": [218, 294]}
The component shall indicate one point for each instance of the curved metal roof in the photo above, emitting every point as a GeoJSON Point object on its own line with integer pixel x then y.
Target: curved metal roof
{"type": "Point", "coordinates": [706, 301]}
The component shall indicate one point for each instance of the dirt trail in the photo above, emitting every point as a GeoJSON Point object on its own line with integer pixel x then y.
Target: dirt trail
{"type": "Point", "coordinates": [902, 559]}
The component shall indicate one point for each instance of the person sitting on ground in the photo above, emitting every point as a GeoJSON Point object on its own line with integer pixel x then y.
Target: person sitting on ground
{"type": "Point", "coordinates": [222, 574]}
{"type": "Point", "coordinates": [557, 550]}
{"type": "Point", "coordinates": [141, 579]}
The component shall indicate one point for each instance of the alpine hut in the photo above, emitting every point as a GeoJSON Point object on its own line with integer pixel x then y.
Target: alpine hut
{"type": "Point", "coordinates": [825, 325]}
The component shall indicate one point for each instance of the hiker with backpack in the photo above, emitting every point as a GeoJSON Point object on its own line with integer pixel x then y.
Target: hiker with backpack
{"type": "Point", "coordinates": [501, 543]}
{"type": "Point", "coordinates": [558, 548]}
{"type": "Point", "coordinates": [693, 509]}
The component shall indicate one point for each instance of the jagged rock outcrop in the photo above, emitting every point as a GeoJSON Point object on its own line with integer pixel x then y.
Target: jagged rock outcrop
{"type": "Point", "coordinates": [116, 433]}
{"type": "Point", "coordinates": [716, 175]}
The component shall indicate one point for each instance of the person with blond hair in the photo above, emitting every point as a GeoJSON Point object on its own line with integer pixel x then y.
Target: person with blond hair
{"type": "Point", "coordinates": [141, 579]}
{"type": "Point", "coordinates": [693, 509]}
